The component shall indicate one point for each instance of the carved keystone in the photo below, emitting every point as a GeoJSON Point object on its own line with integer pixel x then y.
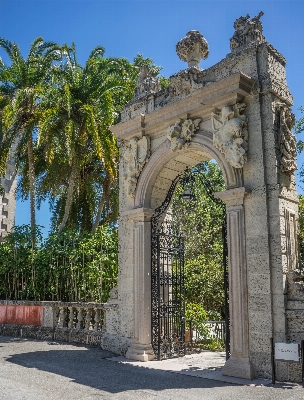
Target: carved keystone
{"type": "Point", "coordinates": [192, 48]}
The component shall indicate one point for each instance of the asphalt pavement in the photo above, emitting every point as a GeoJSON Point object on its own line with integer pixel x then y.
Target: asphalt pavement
{"type": "Point", "coordinates": [38, 370]}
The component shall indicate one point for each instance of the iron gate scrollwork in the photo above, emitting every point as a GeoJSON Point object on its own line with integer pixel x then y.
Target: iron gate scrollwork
{"type": "Point", "coordinates": [167, 279]}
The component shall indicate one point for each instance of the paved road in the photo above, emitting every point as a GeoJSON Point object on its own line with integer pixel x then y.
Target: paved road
{"type": "Point", "coordinates": [36, 370]}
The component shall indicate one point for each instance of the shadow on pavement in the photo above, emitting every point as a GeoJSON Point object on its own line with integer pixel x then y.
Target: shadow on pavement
{"type": "Point", "coordinates": [87, 366]}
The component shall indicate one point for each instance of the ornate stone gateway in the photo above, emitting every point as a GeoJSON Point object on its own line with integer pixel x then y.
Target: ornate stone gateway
{"type": "Point", "coordinates": [238, 113]}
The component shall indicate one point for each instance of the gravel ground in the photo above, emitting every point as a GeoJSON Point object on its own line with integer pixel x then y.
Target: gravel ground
{"type": "Point", "coordinates": [37, 370]}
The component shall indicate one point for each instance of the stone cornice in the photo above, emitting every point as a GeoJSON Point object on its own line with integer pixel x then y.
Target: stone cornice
{"type": "Point", "coordinates": [233, 196]}
{"type": "Point", "coordinates": [200, 103]}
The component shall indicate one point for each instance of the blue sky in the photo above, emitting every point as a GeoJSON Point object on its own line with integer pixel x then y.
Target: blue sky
{"type": "Point", "coordinates": [128, 27]}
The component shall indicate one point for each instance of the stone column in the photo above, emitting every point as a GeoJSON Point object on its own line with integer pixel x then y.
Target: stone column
{"type": "Point", "coordinates": [238, 364]}
{"type": "Point", "coordinates": [141, 348]}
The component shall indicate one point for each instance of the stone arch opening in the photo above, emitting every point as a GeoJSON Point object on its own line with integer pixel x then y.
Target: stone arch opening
{"type": "Point", "coordinates": [178, 248]}
{"type": "Point", "coordinates": [152, 186]}
{"type": "Point", "coordinates": [164, 165]}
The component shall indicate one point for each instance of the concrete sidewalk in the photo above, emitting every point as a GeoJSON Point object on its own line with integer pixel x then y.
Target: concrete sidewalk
{"type": "Point", "coordinates": [207, 364]}
{"type": "Point", "coordinates": [37, 370]}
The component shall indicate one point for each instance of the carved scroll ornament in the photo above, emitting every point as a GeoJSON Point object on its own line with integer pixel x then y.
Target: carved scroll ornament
{"type": "Point", "coordinates": [230, 133]}
{"type": "Point", "coordinates": [134, 155]}
{"type": "Point", "coordinates": [180, 134]}
{"type": "Point", "coordinates": [287, 140]}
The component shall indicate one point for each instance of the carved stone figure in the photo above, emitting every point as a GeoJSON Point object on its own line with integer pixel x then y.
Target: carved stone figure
{"type": "Point", "coordinates": [134, 155]}
{"type": "Point", "coordinates": [192, 48]}
{"type": "Point", "coordinates": [230, 133]}
{"type": "Point", "coordinates": [287, 140]}
{"type": "Point", "coordinates": [246, 31]}
{"type": "Point", "coordinates": [147, 81]}
{"type": "Point", "coordinates": [180, 134]}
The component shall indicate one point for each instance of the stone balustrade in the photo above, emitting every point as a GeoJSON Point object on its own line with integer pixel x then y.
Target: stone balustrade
{"type": "Point", "coordinates": [66, 321]}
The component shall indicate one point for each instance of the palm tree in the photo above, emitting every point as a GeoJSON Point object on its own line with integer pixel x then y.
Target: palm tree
{"type": "Point", "coordinates": [74, 129]}
{"type": "Point", "coordinates": [22, 85]}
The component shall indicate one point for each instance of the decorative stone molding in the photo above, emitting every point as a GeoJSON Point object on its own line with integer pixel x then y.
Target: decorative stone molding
{"type": "Point", "coordinates": [230, 133]}
{"type": "Point", "coordinates": [184, 82]}
{"type": "Point", "coordinates": [192, 48]}
{"type": "Point", "coordinates": [287, 140]}
{"type": "Point", "coordinates": [180, 134]}
{"type": "Point", "coordinates": [134, 155]}
{"type": "Point", "coordinates": [291, 240]}
{"type": "Point", "coordinates": [247, 31]}
{"type": "Point", "coordinates": [147, 82]}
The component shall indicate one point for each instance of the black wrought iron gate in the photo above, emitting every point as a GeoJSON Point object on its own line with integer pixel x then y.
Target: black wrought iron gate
{"type": "Point", "coordinates": [168, 303]}
{"type": "Point", "coordinates": [167, 282]}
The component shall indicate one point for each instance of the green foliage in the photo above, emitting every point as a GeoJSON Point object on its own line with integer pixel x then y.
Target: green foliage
{"type": "Point", "coordinates": [139, 61]}
{"type": "Point", "coordinates": [204, 283]}
{"type": "Point", "coordinates": [197, 315]}
{"type": "Point", "coordinates": [57, 114]}
{"type": "Point", "coordinates": [200, 222]}
{"type": "Point", "coordinates": [299, 126]}
{"type": "Point", "coordinates": [212, 344]}
{"type": "Point", "coordinates": [67, 266]}
{"type": "Point", "coordinates": [22, 85]}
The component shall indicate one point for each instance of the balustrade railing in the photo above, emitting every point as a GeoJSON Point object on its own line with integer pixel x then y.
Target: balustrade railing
{"type": "Point", "coordinates": [89, 317]}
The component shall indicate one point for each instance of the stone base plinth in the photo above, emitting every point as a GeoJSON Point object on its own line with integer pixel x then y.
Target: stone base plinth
{"type": "Point", "coordinates": [140, 352]}
{"type": "Point", "coordinates": [239, 368]}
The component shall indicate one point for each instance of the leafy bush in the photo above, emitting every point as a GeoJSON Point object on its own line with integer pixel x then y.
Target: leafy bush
{"type": "Point", "coordinates": [197, 315]}
{"type": "Point", "coordinates": [67, 266]}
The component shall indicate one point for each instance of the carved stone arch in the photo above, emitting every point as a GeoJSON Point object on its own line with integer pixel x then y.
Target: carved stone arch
{"type": "Point", "coordinates": [201, 144]}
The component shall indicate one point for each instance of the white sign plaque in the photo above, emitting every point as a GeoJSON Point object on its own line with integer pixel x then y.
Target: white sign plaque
{"type": "Point", "coordinates": [286, 352]}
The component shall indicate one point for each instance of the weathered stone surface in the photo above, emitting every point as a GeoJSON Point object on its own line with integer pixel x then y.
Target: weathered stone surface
{"type": "Point", "coordinates": [247, 31]}
{"type": "Point", "coordinates": [230, 134]}
{"type": "Point", "coordinates": [180, 134]}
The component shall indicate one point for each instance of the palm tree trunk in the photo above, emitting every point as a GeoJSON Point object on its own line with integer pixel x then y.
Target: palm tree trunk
{"type": "Point", "coordinates": [105, 194]}
{"type": "Point", "coordinates": [31, 176]}
{"type": "Point", "coordinates": [70, 193]}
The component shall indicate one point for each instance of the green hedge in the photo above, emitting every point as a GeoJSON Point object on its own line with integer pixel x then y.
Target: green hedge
{"type": "Point", "coordinates": [65, 267]}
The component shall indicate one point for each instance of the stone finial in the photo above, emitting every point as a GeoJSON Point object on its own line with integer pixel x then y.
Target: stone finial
{"type": "Point", "coordinates": [192, 48]}
{"type": "Point", "coordinates": [247, 31]}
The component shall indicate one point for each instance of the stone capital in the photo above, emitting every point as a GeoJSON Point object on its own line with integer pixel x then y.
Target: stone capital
{"type": "Point", "coordinates": [233, 197]}
{"type": "Point", "coordinates": [140, 213]}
